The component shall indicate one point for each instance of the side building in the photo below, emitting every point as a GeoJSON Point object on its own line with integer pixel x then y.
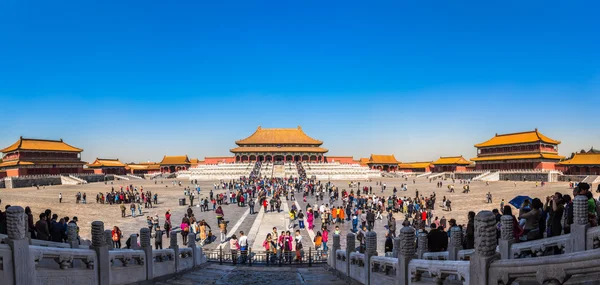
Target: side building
{"type": "Point", "coordinates": [518, 151]}
{"type": "Point", "coordinates": [41, 157]}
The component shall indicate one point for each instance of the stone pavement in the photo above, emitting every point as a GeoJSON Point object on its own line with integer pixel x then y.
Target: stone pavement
{"type": "Point", "coordinates": [223, 274]}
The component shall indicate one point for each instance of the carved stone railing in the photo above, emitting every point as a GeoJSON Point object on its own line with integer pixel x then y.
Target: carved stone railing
{"type": "Point", "coordinates": [127, 266]}
{"type": "Point", "coordinates": [163, 262]}
{"type": "Point", "coordinates": [46, 243]}
{"type": "Point", "coordinates": [357, 267]}
{"type": "Point", "coordinates": [6, 264]}
{"type": "Point", "coordinates": [341, 260]}
{"type": "Point", "coordinates": [464, 254]}
{"type": "Point", "coordinates": [186, 259]}
{"type": "Point", "coordinates": [440, 269]}
{"type": "Point", "coordinates": [542, 247]}
{"type": "Point", "coordinates": [593, 238]}
{"type": "Point", "coordinates": [71, 266]}
{"type": "Point", "coordinates": [545, 270]}
{"type": "Point", "coordinates": [383, 270]}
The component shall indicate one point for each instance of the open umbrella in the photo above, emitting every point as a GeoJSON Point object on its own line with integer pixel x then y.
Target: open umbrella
{"type": "Point", "coordinates": [518, 201]}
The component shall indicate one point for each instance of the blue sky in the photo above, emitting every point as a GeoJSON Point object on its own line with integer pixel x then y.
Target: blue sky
{"type": "Point", "coordinates": [140, 79]}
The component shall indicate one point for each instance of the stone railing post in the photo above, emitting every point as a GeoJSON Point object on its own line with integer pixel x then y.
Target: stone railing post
{"type": "Point", "coordinates": [191, 239]}
{"type": "Point", "coordinates": [72, 235]}
{"type": "Point", "coordinates": [175, 247]}
{"type": "Point", "coordinates": [19, 244]}
{"type": "Point", "coordinates": [108, 239]}
{"type": "Point", "coordinates": [580, 224]}
{"type": "Point", "coordinates": [396, 249]}
{"type": "Point", "coordinates": [101, 248]}
{"type": "Point", "coordinates": [336, 245]}
{"type": "Point", "coordinates": [350, 248]}
{"type": "Point", "coordinates": [455, 243]}
{"type": "Point", "coordinates": [146, 246]}
{"type": "Point", "coordinates": [485, 248]}
{"type": "Point", "coordinates": [423, 245]}
{"type": "Point", "coordinates": [134, 241]}
{"type": "Point", "coordinates": [406, 252]}
{"type": "Point", "coordinates": [371, 250]}
{"type": "Point", "coordinates": [506, 236]}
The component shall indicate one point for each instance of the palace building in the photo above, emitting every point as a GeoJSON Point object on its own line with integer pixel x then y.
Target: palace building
{"type": "Point", "coordinates": [41, 157]}
{"type": "Point", "coordinates": [383, 162]}
{"type": "Point", "coordinates": [451, 164]}
{"type": "Point", "coordinates": [108, 166]}
{"type": "Point", "coordinates": [143, 168]}
{"type": "Point", "coordinates": [174, 163]}
{"type": "Point", "coordinates": [526, 150]}
{"type": "Point", "coordinates": [285, 145]}
{"type": "Point", "coordinates": [415, 166]}
{"type": "Point", "coordinates": [582, 164]}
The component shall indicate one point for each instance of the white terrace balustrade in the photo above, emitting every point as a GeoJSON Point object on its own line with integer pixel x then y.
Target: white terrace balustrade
{"type": "Point", "coordinates": [24, 261]}
{"type": "Point", "coordinates": [572, 258]}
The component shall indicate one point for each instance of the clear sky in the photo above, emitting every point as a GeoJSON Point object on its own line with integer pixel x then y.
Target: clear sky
{"type": "Point", "coordinates": [136, 80]}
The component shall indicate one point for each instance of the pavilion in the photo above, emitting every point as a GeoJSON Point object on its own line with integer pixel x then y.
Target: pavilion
{"type": "Point", "coordinates": [41, 157]}
{"type": "Point", "coordinates": [143, 168]}
{"type": "Point", "coordinates": [108, 166]}
{"type": "Point", "coordinates": [451, 164]}
{"type": "Point", "coordinates": [284, 145]}
{"type": "Point", "coordinates": [517, 151]}
{"type": "Point", "coordinates": [383, 162]}
{"type": "Point", "coordinates": [425, 166]}
{"type": "Point", "coordinates": [175, 163]}
{"type": "Point", "coordinates": [582, 164]}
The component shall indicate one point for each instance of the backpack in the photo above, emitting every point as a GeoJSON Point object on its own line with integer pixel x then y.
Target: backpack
{"type": "Point", "coordinates": [360, 236]}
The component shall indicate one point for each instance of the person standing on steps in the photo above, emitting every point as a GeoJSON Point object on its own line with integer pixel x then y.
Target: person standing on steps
{"type": "Point", "coordinates": [59, 198]}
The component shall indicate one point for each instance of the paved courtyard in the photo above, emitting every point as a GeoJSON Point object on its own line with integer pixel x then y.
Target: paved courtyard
{"type": "Point", "coordinates": [240, 220]}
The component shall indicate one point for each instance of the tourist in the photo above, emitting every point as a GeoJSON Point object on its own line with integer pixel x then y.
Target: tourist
{"type": "Point", "coordinates": [389, 244]}
{"type": "Point", "coordinates": [220, 214]}
{"type": "Point", "coordinates": [325, 238]}
{"type": "Point", "coordinates": [223, 230]}
{"type": "Point", "coordinates": [251, 206]}
{"type": "Point", "coordinates": [287, 246]}
{"type": "Point", "coordinates": [301, 219]}
{"type": "Point", "coordinates": [243, 246]}
{"type": "Point", "coordinates": [298, 245]}
{"type": "Point", "coordinates": [437, 240]}
{"type": "Point", "coordinates": [234, 246]}
{"type": "Point", "coordinates": [41, 228]}
{"type": "Point", "coordinates": [117, 235]}
{"type": "Point", "coordinates": [318, 240]}
{"type": "Point", "coordinates": [310, 218]}
{"type": "Point", "coordinates": [185, 229]}
{"type": "Point", "coordinates": [354, 222]}
{"type": "Point", "coordinates": [555, 207]}
{"type": "Point", "coordinates": [158, 234]}
{"type": "Point", "coordinates": [391, 225]}
{"type": "Point", "coordinates": [517, 231]}
{"type": "Point", "coordinates": [167, 227]}
{"type": "Point", "coordinates": [59, 198]}
{"type": "Point", "coordinates": [470, 233]}
{"type": "Point", "coordinates": [201, 228]}
{"type": "Point", "coordinates": [531, 227]}
{"type": "Point", "coordinates": [270, 247]}
{"type": "Point", "coordinates": [568, 214]}
{"type": "Point", "coordinates": [370, 220]}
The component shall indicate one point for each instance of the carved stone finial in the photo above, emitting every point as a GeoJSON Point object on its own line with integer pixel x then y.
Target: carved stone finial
{"type": "Point", "coordinates": [15, 220]}
{"type": "Point", "coordinates": [191, 239]}
{"type": "Point", "coordinates": [423, 242]}
{"type": "Point", "coordinates": [72, 234]}
{"type": "Point", "coordinates": [407, 241]}
{"type": "Point", "coordinates": [350, 242]}
{"type": "Point", "coordinates": [108, 239]}
{"type": "Point", "coordinates": [97, 233]}
{"type": "Point", "coordinates": [396, 249]}
{"type": "Point", "coordinates": [456, 236]}
{"type": "Point", "coordinates": [371, 243]}
{"type": "Point", "coordinates": [580, 216]}
{"type": "Point", "coordinates": [145, 237]}
{"type": "Point", "coordinates": [485, 233]}
{"type": "Point", "coordinates": [336, 241]}
{"type": "Point", "coordinates": [173, 239]}
{"type": "Point", "coordinates": [506, 230]}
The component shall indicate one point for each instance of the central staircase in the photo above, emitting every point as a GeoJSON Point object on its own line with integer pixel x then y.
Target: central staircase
{"type": "Point", "coordinates": [279, 171]}
{"type": "Point", "coordinates": [591, 179]}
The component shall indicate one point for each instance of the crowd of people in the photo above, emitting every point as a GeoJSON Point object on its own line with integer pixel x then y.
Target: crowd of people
{"type": "Point", "coordinates": [48, 227]}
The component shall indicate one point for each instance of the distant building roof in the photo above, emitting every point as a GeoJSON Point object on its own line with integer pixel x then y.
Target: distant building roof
{"type": "Point", "coordinates": [278, 149]}
{"type": "Point", "coordinates": [106, 162]}
{"type": "Point", "coordinates": [39, 144]}
{"type": "Point", "coordinates": [383, 159]}
{"type": "Point", "coordinates": [175, 160]}
{"type": "Point", "coordinates": [449, 160]}
{"type": "Point", "coordinates": [519, 156]}
{"type": "Point", "coordinates": [517, 138]}
{"type": "Point", "coordinates": [583, 159]}
{"type": "Point", "coordinates": [279, 136]}
{"type": "Point", "coordinates": [414, 165]}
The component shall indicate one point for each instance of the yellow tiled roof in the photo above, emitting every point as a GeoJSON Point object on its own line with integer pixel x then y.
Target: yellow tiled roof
{"type": "Point", "coordinates": [517, 138]}
{"type": "Point", "coordinates": [105, 162]}
{"type": "Point", "coordinates": [583, 159]}
{"type": "Point", "coordinates": [143, 166]}
{"type": "Point", "coordinates": [38, 144]}
{"type": "Point", "coordinates": [383, 159]}
{"type": "Point", "coordinates": [278, 149]}
{"type": "Point", "coordinates": [175, 160]}
{"type": "Point", "coordinates": [15, 163]}
{"type": "Point", "coordinates": [411, 165]}
{"type": "Point", "coordinates": [460, 160]}
{"type": "Point", "coordinates": [363, 161]}
{"type": "Point", "coordinates": [278, 136]}
{"type": "Point", "coordinates": [520, 156]}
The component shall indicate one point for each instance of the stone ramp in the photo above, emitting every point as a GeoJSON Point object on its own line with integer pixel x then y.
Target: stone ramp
{"type": "Point", "coordinates": [259, 275]}
{"type": "Point", "coordinates": [264, 224]}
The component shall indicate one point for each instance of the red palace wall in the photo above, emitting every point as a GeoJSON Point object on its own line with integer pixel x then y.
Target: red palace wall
{"type": "Point", "coordinates": [545, 165]}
